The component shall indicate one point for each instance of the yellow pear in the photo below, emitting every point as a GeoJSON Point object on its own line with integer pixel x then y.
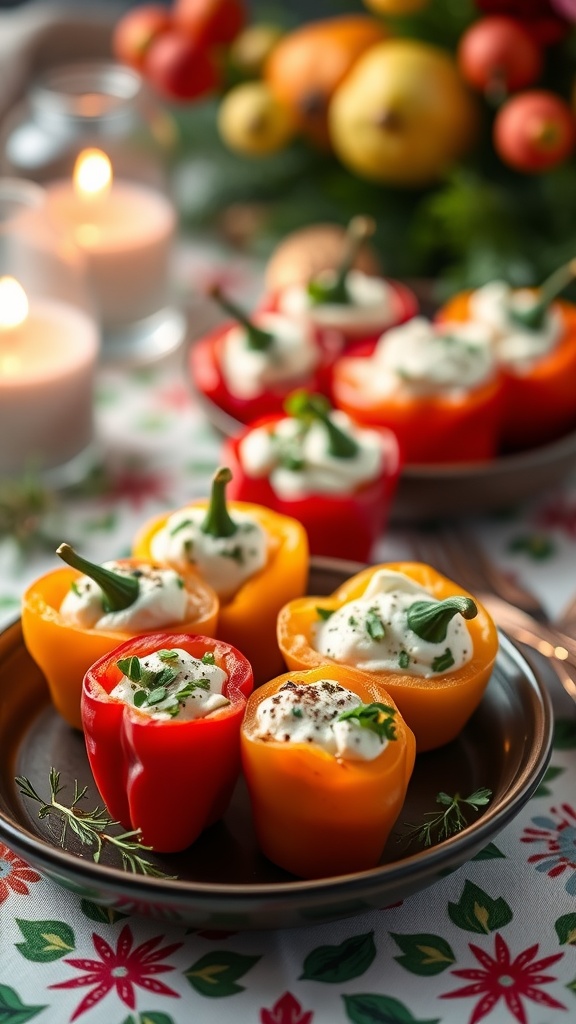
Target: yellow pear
{"type": "Point", "coordinates": [253, 122]}
{"type": "Point", "coordinates": [403, 114]}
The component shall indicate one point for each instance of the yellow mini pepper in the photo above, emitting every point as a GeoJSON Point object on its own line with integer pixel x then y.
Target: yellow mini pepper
{"type": "Point", "coordinates": [435, 707]}
{"type": "Point", "coordinates": [317, 814]}
{"type": "Point", "coordinates": [65, 651]}
{"type": "Point", "coordinates": [247, 619]}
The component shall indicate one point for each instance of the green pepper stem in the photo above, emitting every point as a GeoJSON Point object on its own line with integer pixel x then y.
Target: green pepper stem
{"type": "Point", "coordinates": [430, 619]}
{"type": "Point", "coordinates": [357, 231]}
{"type": "Point", "coordinates": [119, 591]}
{"type": "Point", "coordinates": [310, 408]}
{"type": "Point", "coordinates": [218, 522]}
{"type": "Point", "coordinates": [257, 338]}
{"type": "Point", "coordinates": [533, 316]}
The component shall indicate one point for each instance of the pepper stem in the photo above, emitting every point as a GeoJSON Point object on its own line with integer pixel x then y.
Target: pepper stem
{"type": "Point", "coordinates": [533, 316]}
{"type": "Point", "coordinates": [218, 522]}
{"type": "Point", "coordinates": [310, 408]}
{"type": "Point", "coordinates": [257, 338]}
{"type": "Point", "coordinates": [358, 230]}
{"type": "Point", "coordinates": [430, 619]}
{"type": "Point", "coordinates": [119, 591]}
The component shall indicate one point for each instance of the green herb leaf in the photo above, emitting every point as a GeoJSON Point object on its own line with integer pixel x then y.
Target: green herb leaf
{"type": "Point", "coordinates": [131, 668]}
{"type": "Point", "coordinates": [324, 613]}
{"type": "Point", "coordinates": [443, 662]}
{"type": "Point", "coordinates": [440, 826]}
{"type": "Point", "coordinates": [208, 658]}
{"type": "Point", "coordinates": [374, 625]}
{"type": "Point", "coordinates": [430, 619]}
{"type": "Point", "coordinates": [403, 659]}
{"type": "Point", "coordinates": [379, 718]}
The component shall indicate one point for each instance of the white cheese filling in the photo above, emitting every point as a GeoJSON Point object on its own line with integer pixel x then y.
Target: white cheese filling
{"type": "Point", "coordinates": [224, 562]}
{"type": "Point", "coordinates": [372, 632]}
{"type": "Point", "coordinates": [308, 713]}
{"type": "Point", "coordinates": [172, 684]}
{"type": "Point", "coordinates": [371, 305]}
{"type": "Point", "coordinates": [421, 358]}
{"type": "Point", "coordinates": [516, 346]}
{"type": "Point", "coordinates": [292, 356]}
{"type": "Point", "coordinates": [297, 462]}
{"type": "Point", "coordinates": [162, 600]}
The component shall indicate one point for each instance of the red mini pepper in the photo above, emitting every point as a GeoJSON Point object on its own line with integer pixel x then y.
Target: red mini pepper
{"type": "Point", "coordinates": [169, 779]}
{"type": "Point", "coordinates": [206, 366]}
{"type": "Point", "coordinates": [352, 518]}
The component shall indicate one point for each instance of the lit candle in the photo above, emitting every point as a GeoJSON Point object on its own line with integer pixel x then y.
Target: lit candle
{"type": "Point", "coordinates": [48, 352]}
{"type": "Point", "coordinates": [125, 231]}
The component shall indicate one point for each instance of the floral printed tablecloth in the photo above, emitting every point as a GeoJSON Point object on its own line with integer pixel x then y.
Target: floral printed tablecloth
{"type": "Point", "coordinates": [495, 940]}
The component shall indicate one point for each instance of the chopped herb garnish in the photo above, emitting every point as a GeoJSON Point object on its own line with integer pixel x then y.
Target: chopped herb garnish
{"type": "Point", "coordinates": [297, 712]}
{"type": "Point", "coordinates": [157, 696]}
{"type": "Point", "coordinates": [443, 662]}
{"type": "Point", "coordinates": [236, 554]}
{"type": "Point", "coordinates": [374, 625]}
{"type": "Point", "coordinates": [379, 718]}
{"type": "Point", "coordinates": [181, 526]}
{"type": "Point", "coordinates": [168, 655]}
{"type": "Point", "coordinates": [131, 668]}
{"type": "Point", "coordinates": [75, 589]}
{"type": "Point", "coordinates": [208, 658]}
{"type": "Point", "coordinates": [403, 659]}
{"type": "Point", "coordinates": [430, 619]}
{"type": "Point", "coordinates": [352, 621]}
{"type": "Point", "coordinates": [139, 698]}
{"type": "Point", "coordinates": [324, 613]}
{"type": "Point", "coordinates": [448, 822]}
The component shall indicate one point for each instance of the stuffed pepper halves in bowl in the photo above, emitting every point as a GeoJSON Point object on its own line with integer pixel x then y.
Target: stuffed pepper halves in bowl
{"type": "Point", "coordinates": [327, 759]}
{"type": "Point", "coordinates": [75, 615]}
{"type": "Point", "coordinates": [412, 630]}
{"type": "Point", "coordinates": [161, 717]}
{"type": "Point", "coordinates": [253, 557]}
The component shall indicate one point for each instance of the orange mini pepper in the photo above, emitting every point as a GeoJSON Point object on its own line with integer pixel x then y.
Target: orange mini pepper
{"type": "Point", "coordinates": [247, 619]}
{"type": "Point", "coordinates": [539, 400]}
{"type": "Point", "coordinates": [317, 814]}
{"type": "Point", "coordinates": [435, 707]}
{"type": "Point", "coordinates": [64, 651]}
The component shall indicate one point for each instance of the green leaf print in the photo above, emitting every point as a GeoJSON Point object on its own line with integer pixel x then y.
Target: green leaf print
{"type": "Point", "coordinates": [216, 974]}
{"type": "Point", "coordinates": [13, 1010]}
{"type": "Point", "coordinates": [149, 1018]}
{"type": "Point", "coordinates": [45, 940]}
{"type": "Point", "coordinates": [565, 734]}
{"type": "Point", "coordinates": [103, 915]}
{"type": "Point", "coordinates": [334, 964]}
{"type": "Point", "coordinates": [537, 546]}
{"type": "Point", "coordinates": [490, 852]}
{"type": "Point", "coordinates": [373, 1009]}
{"type": "Point", "coordinates": [423, 954]}
{"type": "Point", "coordinates": [550, 774]}
{"type": "Point", "coordinates": [566, 929]}
{"type": "Point", "coordinates": [478, 912]}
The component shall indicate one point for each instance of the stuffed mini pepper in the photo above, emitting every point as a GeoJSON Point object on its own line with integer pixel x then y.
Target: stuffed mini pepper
{"type": "Point", "coordinates": [161, 717]}
{"type": "Point", "coordinates": [248, 366]}
{"type": "Point", "coordinates": [534, 338]}
{"type": "Point", "coordinates": [415, 632]}
{"type": "Point", "coordinates": [253, 557]}
{"type": "Point", "coordinates": [346, 299]}
{"type": "Point", "coordinates": [73, 616]}
{"type": "Point", "coordinates": [438, 387]}
{"type": "Point", "coordinates": [327, 759]}
{"type": "Point", "coordinates": [313, 463]}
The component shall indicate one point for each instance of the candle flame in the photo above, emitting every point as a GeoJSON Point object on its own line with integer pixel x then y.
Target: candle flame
{"type": "Point", "coordinates": [92, 174]}
{"type": "Point", "coordinates": [13, 303]}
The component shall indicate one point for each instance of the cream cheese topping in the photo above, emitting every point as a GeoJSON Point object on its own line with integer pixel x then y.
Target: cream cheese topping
{"type": "Point", "coordinates": [313, 470]}
{"type": "Point", "coordinates": [224, 562]}
{"type": "Point", "coordinates": [292, 356]}
{"type": "Point", "coordinates": [372, 631]}
{"type": "Point", "coordinates": [371, 303]}
{"type": "Point", "coordinates": [308, 713]}
{"type": "Point", "coordinates": [162, 600]}
{"type": "Point", "coordinates": [516, 346]}
{"type": "Point", "coordinates": [173, 684]}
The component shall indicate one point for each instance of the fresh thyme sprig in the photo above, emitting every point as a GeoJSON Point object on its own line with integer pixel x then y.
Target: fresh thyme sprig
{"type": "Point", "coordinates": [437, 827]}
{"type": "Point", "coordinates": [91, 827]}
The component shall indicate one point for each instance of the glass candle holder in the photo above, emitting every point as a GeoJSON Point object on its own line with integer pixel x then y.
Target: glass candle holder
{"type": "Point", "coordinates": [49, 344]}
{"type": "Point", "coordinates": [125, 223]}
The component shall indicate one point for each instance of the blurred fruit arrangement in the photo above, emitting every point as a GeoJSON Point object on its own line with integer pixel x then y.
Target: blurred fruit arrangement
{"type": "Point", "coordinates": [451, 123]}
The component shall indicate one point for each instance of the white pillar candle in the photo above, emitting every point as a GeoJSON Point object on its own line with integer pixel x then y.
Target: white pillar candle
{"type": "Point", "coordinates": [125, 231]}
{"type": "Point", "coordinates": [48, 353]}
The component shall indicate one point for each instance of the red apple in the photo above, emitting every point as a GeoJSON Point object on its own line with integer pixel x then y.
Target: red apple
{"type": "Point", "coordinates": [499, 54]}
{"type": "Point", "coordinates": [534, 131]}
{"type": "Point", "coordinates": [135, 32]}
{"type": "Point", "coordinates": [180, 68]}
{"type": "Point", "coordinates": [212, 22]}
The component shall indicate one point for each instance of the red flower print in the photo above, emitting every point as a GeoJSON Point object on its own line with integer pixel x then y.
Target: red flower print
{"type": "Point", "coordinates": [507, 979]}
{"type": "Point", "coordinates": [559, 514]}
{"type": "Point", "coordinates": [14, 873]}
{"type": "Point", "coordinates": [137, 486]}
{"type": "Point", "coordinates": [558, 834]}
{"type": "Point", "coordinates": [174, 396]}
{"type": "Point", "coordinates": [121, 969]}
{"type": "Point", "coordinates": [286, 1011]}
